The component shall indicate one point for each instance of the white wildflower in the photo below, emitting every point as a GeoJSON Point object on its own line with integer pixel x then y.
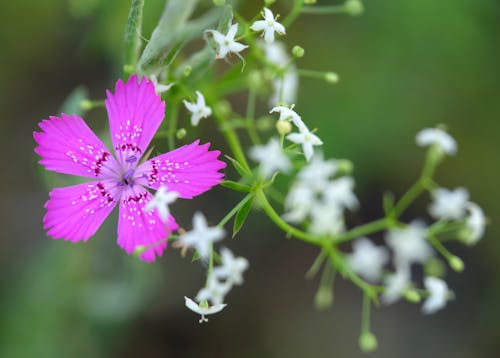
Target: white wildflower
{"type": "Point", "coordinates": [438, 291]}
{"type": "Point", "coordinates": [326, 220]}
{"type": "Point", "coordinates": [215, 291]}
{"type": "Point", "coordinates": [299, 202]}
{"type": "Point", "coordinates": [232, 267]}
{"type": "Point", "coordinates": [284, 86]}
{"type": "Point", "coordinates": [395, 285]}
{"type": "Point", "coordinates": [340, 192]}
{"type": "Point", "coordinates": [436, 136]}
{"type": "Point", "coordinates": [449, 204]}
{"type": "Point", "coordinates": [271, 158]}
{"type": "Point", "coordinates": [288, 114]}
{"type": "Point", "coordinates": [367, 260]}
{"type": "Point", "coordinates": [159, 88]}
{"type": "Point", "coordinates": [203, 309]}
{"type": "Point", "coordinates": [199, 109]}
{"type": "Point", "coordinates": [475, 222]}
{"type": "Point", "coordinates": [307, 139]}
{"type": "Point", "coordinates": [202, 236]}
{"type": "Point", "coordinates": [409, 244]}
{"type": "Point", "coordinates": [161, 201]}
{"type": "Point", "coordinates": [317, 172]}
{"type": "Point", "coordinates": [226, 43]}
{"type": "Point", "coordinates": [269, 26]}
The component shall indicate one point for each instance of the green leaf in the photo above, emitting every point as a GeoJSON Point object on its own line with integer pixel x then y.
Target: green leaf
{"type": "Point", "coordinates": [239, 168]}
{"type": "Point", "coordinates": [236, 186]}
{"type": "Point", "coordinates": [241, 216]}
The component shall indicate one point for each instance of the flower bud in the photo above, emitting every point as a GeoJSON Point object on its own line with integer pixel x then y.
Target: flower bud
{"type": "Point", "coordinates": [86, 105]}
{"type": "Point", "coordinates": [309, 2]}
{"type": "Point", "coordinates": [331, 77]}
{"type": "Point", "coordinates": [187, 71]}
{"type": "Point", "coordinates": [354, 7]}
{"type": "Point", "coordinates": [435, 268]}
{"type": "Point", "coordinates": [368, 342]}
{"type": "Point", "coordinates": [323, 298]}
{"type": "Point", "coordinates": [456, 263]}
{"type": "Point", "coordinates": [412, 296]}
{"type": "Point", "coordinates": [219, 2]}
{"type": "Point", "coordinates": [223, 108]}
{"type": "Point", "coordinates": [283, 127]}
{"type": "Point", "coordinates": [254, 79]}
{"type": "Point", "coordinates": [181, 133]}
{"type": "Point", "coordinates": [269, 2]}
{"type": "Point", "coordinates": [344, 166]}
{"type": "Point", "coordinates": [139, 250]}
{"type": "Point", "coordinates": [298, 51]}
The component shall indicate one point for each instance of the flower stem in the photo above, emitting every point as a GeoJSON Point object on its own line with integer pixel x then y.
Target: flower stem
{"type": "Point", "coordinates": [132, 37]}
{"type": "Point", "coordinates": [365, 229]}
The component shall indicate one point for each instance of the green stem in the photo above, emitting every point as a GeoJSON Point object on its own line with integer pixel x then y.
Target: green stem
{"type": "Point", "coordinates": [292, 15]}
{"type": "Point", "coordinates": [439, 247]}
{"type": "Point", "coordinates": [324, 10]}
{"type": "Point", "coordinates": [132, 39]}
{"type": "Point", "coordinates": [250, 117]}
{"type": "Point", "coordinates": [365, 229]}
{"type": "Point", "coordinates": [365, 314]}
{"type": "Point", "coordinates": [311, 73]}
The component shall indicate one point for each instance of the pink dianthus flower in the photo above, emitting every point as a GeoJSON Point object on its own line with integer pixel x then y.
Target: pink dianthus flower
{"type": "Point", "coordinates": [67, 145]}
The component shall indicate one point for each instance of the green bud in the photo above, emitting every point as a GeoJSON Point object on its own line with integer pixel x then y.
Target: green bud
{"type": "Point", "coordinates": [323, 298]}
{"type": "Point", "coordinates": [456, 263]}
{"type": "Point", "coordinates": [354, 7]}
{"type": "Point", "coordinates": [223, 108]}
{"type": "Point", "coordinates": [298, 51]}
{"type": "Point", "coordinates": [254, 79]}
{"type": "Point", "coordinates": [187, 71]}
{"type": "Point", "coordinates": [128, 69]}
{"type": "Point", "coordinates": [86, 105]}
{"type": "Point", "coordinates": [345, 166]}
{"type": "Point", "coordinates": [283, 127]}
{"type": "Point", "coordinates": [309, 2]}
{"type": "Point", "coordinates": [434, 267]}
{"type": "Point", "coordinates": [139, 250]}
{"type": "Point", "coordinates": [181, 133]}
{"type": "Point", "coordinates": [219, 2]}
{"type": "Point", "coordinates": [368, 342]}
{"type": "Point", "coordinates": [331, 77]}
{"type": "Point", "coordinates": [412, 296]}
{"type": "Point", "coordinates": [269, 2]}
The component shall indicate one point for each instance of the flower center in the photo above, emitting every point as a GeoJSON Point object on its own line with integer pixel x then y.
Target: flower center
{"type": "Point", "coordinates": [128, 178]}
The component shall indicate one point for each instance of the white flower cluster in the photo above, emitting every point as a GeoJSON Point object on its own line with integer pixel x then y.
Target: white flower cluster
{"type": "Point", "coordinates": [222, 278]}
{"type": "Point", "coordinates": [320, 196]}
{"type": "Point", "coordinates": [410, 244]}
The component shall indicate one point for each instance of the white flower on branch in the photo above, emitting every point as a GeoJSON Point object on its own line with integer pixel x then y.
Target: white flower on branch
{"type": "Point", "coordinates": [288, 114]}
{"type": "Point", "coordinates": [449, 204]}
{"type": "Point", "coordinates": [226, 43]}
{"type": "Point", "coordinates": [340, 192]}
{"type": "Point", "coordinates": [285, 84]}
{"type": "Point", "coordinates": [199, 109]}
{"type": "Point", "coordinates": [271, 158]}
{"type": "Point", "coordinates": [215, 291]}
{"type": "Point", "coordinates": [307, 139]}
{"type": "Point", "coordinates": [409, 244]}
{"type": "Point", "coordinates": [367, 260]}
{"type": "Point", "coordinates": [161, 201]}
{"type": "Point", "coordinates": [160, 88]}
{"type": "Point", "coordinates": [475, 222]}
{"type": "Point", "coordinates": [438, 290]}
{"type": "Point", "coordinates": [269, 26]}
{"type": "Point", "coordinates": [326, 219]}
{"type": "Point", "coordinates": [395, 285]}
{"type": "Point", "coordinates": [203, 309]}
{"type": "Point", "coordinates": [202, 236]}
{"type": "Point", "coordinates": [232, 268]}
{"type": "Point", "coordinates": [436, 136]}
{"type": "Point", "coordinates": [317, 172]}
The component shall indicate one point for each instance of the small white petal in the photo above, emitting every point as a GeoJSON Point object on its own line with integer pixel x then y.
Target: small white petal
{"type": "Point", "coordinates": [430, 136]}
{"type": "Point", "coordinates": [438, 291]}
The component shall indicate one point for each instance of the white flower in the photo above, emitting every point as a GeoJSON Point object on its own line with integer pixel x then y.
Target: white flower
{"type": "Point", "coordinates": [215, 291]}
{"type": "Point", "coordinates": [395, 285]}
{"type": "Point", "coordinates": [226, 42]}
{"type": "Point", "coordinates": [232, 267]}
{"type": "Point", "coordinates": [307, 139]}
{"type": "Point", "coordinates": [409, 244]}
{"type": "Point", "coordinates": [271, 158]}
{"type": "Point", "coordinates": [437, 295]}
{"type": "Point", "coordinates": [431, 136]}
{"type": "Point", "coordinates": [326, 220]}
{"type": "Point", "coordinates": [199, 109]}
{"type": "Point", "coordinates": [288, 114]}
{"type": "Point", "coordinates": [340, 192]}
{"type": "Point", "coordinates": [269, 25]}
{"type": "Point", "coordinates": [367, 260]}
{"type": "Point", "coordinates": [449, 204]}
{"type": "Point", "coordinates": [201, 310]}
{"type": "Point", "coordinates": [299, 202]}
{"type": "Point", "coordinates": [202, 236]}
{"type": "Point", "coordinates": [317, 172]}
{"type": "Point", "coordinates": [161, 201]}
{"type": "Point", "coordinates": [284, 86]}
{"type": "Point", "coordinates": [475, 223]}
{"type": "Point", "coordinates": [159, 88]}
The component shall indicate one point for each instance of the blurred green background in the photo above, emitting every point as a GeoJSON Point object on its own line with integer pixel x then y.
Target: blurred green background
{"type": "Point", "coordinates": [404, 65]}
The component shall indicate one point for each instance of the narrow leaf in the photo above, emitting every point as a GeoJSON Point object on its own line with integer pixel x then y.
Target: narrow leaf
{"type": "Point", "coordinates": [239, 168]}
{"type": "Point", "coordinates": [241, 216]}
{"type": "Point", "coordinates": [235, 186]}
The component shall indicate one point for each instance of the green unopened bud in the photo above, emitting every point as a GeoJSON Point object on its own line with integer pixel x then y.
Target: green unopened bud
{"type": "Point", "coordinates": [456, 263]}
{"type": "Point", "coordinates": [368, 342]}
{"type": "Point", "coordinates": [283, 127]}
{"type": "Point", "coordinates": [435, 268]}
{"type": "Point", "coordinates": [344, 166]}
{"type": "Point", "coordinates": [181, 133]}
{"type": "Point", "coordinates": [139, 250]}
{"type": "Point", "coordinates": [86, 105]}
{"type": "Point", "coordinates": [331, 77]}
{"type": "Point", "coordinates": [269, 2]}
{"type": "Point", "coordinates": [187, 71]}
{"type": "Point", "coordinates": [412, 296]}
{"type": "Point", "coordinates": [128, 69]}
{"type": "Point", "coordinates": [219, 2]}
{"type": "Point", "coordinates": [298, 51]}
{"type": "Point", "coordinates": [309, 2]}
{"type": "Point", "coordinates": [223, 108]}
{"type": "Point", "coordinates": [323, 298]}
{"type": "Point", "coordinates": [354, 7]}
{"type": "Point", "coordinates": [254, 79]}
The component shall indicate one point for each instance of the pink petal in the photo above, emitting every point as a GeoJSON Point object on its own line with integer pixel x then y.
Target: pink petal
{"type": "Point", "coordinates": [189, 170]}
{"type": "Point", "coordinates": [139, 227]}
{"type": "Point", "coordinates": [135, 112]}
{"type": "Point", "coordinates": [67, 145]}
{"type": "Point", "coordinates": [75, 212]}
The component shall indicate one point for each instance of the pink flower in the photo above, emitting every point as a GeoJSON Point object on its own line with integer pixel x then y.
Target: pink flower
{"type": "Point", "coordinates": [67, 145]}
